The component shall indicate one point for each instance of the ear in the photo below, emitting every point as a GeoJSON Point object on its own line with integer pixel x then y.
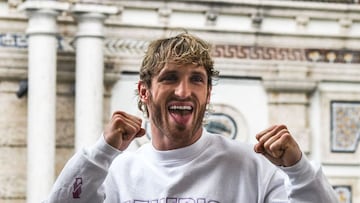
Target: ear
{"type": "Point", "coordinates": [143, 91]}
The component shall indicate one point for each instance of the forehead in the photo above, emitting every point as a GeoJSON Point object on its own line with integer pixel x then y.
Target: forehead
{"type": "Point", "coordinates": [190, 68]}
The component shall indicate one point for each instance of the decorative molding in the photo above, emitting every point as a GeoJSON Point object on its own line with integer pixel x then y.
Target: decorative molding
{"type": "Point", "coordinates": [332, 56]}
{"type": "Point", "coordinates": [114, 46]}
{"type": "Point", "coordinates": [13, 40]}
{"type": "Point", "coordinates": [211, 17]}
{"type": "Point", "coordinates": [19, 40]}
{"type": "Point", "coordinates": [258, 52]}
{"type": "Point", "coordinates": [125, 46]}
{"type": "Point", "coordinates": [286, 54]}
{"type": "Point", "coordinates": [257, 19]}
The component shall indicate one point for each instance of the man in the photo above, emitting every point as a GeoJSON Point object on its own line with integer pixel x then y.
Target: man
{"type": "Point", "coordinates": [184, 163]}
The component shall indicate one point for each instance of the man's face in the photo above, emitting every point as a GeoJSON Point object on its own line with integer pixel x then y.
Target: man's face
{"type": "Point", "coordinates": [177, 102]}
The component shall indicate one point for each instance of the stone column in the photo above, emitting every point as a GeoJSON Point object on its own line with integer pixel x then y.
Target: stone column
{"type": "Point", "coordinates": [42, 48]}
{"type": "Point", "coordinates": [89, 72]}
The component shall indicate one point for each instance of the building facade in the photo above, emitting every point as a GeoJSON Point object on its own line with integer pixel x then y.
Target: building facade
{"type": "Point", "coordinates": [67, 65]}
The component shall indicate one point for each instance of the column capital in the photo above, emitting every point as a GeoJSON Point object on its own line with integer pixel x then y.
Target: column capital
{"type": "Point", "coordinates": [82, 8]}
{"type": "Point", "coordinates": [91, 17]}
{"type": "Point", "coordinates": [42, 16]}
{"type": "Point", "coordinates": [35, 5]}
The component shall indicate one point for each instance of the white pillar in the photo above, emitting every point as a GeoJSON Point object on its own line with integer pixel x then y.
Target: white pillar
{"type": "Point", "coordinates": [42, 47]}
{"type": "Point", "coordinates": [89, 72]}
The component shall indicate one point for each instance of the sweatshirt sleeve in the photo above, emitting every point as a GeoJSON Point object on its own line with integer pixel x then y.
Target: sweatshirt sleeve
{"type": "Point", "coordinates": [83, 175]}
{"type": "Point", "coordinates": [307, 183]}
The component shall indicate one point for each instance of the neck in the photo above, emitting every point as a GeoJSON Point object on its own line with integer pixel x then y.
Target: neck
{"type": "Point", "coordinates": [173, 140]}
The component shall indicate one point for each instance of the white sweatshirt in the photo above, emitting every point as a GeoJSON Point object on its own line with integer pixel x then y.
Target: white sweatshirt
{"type": "Point", "coordinates": [214, 169]}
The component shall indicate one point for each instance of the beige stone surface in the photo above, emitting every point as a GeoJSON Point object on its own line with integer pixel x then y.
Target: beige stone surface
{"type": "Point", "coordinates": [13, 172]}
{"type": "Point", "coordinates": [62, 155]}
{"type": "Point", "coordinates": [12, 108]}
{"type": "Point", "coordinates": [295, 117]}
{"type": "Point", "coordinates": [292, 115]}
{"type": "Point", "coordinates": [22, 200]}
{"type": "Point", "coordinates": [106, 110]}
{"type": "Point", "coordinates": [13, 119]}
{"type": "Point", "coordinates": [65, 110]}
{"type": "Point", "coordinates": [65, 107]}
{"type": "Point", "coordinates": [9, 87]}
{"type": "Point", "coordinates": [13, 133]}
{"type": "Point", "coordinates": [288, 98]}
{"type": "Point", "coordinates": [65, 133]}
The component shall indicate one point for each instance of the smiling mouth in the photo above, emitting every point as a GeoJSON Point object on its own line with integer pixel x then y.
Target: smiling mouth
{"type": "Point", "coordinates": [181, 109]}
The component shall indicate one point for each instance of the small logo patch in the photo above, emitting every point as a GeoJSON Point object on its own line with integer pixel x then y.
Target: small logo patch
{"type": "Point", "coordinates": [77, 188]}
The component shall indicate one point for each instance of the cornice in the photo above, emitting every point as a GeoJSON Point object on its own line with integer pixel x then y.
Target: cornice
{"type": "Point", "coordinates": [300, 5]}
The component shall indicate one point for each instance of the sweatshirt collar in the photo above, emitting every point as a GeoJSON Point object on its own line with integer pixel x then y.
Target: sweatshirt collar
{"type": "Point", "coordinates": [178, 156]}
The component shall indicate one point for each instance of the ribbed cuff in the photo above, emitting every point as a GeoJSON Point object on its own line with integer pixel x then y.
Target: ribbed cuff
{"type": "Point", "coordinates": [301, 172]}
{"type": "Point", "coordinates": [102, 154]}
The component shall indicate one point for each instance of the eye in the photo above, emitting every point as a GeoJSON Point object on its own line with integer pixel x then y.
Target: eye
{"type": "Point", "coordinates": [171, 77]}
{"type": "Point", "coordinates": [197, 78]}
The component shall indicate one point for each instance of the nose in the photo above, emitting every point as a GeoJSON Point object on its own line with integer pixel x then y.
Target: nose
{"type": "Point", "coordinates": [183, 89]}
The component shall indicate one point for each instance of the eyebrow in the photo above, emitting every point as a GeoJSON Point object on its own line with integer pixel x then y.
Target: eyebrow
{"type": "Point", "coordinates": [173, 68]}
{"type": "Point", "coordinates": [199, 72]}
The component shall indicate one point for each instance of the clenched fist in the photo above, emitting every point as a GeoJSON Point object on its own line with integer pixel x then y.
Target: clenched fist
{"type": "Point", "coordinates": [122, 129]}
{"type": "Point", "coordinates": [277, 145]}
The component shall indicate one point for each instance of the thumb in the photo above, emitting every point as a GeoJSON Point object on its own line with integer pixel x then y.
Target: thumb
{"type": "Point", "coordinates": [140, 133]}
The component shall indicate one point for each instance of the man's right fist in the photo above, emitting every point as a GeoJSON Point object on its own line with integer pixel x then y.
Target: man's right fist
{"type": "Point", "coordinates": [122, 129]}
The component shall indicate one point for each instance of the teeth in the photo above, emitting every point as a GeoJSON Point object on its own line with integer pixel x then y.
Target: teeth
{"type": "Point", "coordinates": [180, 108]}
